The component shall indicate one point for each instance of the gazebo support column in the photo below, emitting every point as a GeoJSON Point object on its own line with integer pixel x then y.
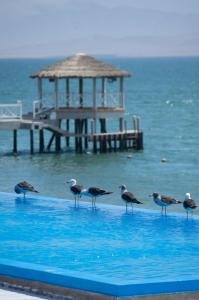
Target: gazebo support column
{"type": "Point", "coordinates": [68, 103]}
{"type": "Point", "coordinates": [81, 92]}
{"type": "Point", "coordinates": [104, 92]}
{"type": "Point", "coordinates": [94, 103]}
{"type": "Point", "coordinates": [67, 92]}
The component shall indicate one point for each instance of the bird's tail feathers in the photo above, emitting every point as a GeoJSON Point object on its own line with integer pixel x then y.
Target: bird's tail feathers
{"type": "Point", "coordinates": [178, 202]}
{"type": "Point", "coordinates": [107, 193]}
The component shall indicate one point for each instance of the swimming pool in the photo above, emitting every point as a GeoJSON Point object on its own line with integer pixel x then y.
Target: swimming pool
{"type": "Point", "coordinates": [104, 250]}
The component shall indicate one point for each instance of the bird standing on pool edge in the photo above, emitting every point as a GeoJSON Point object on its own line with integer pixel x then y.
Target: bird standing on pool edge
{"type": "Point", "coordinates": [93, 193]}
{"type": "Point", "coordinates": [23, 188]}
{"type": "Point", "coordinates": [163, 201]}
{"type": "Point", "coordinates": [128, 197]}
{"type": "Point", "coordinates": [75, 189]}
{"type": "Point", "coordinates": [189, 204]}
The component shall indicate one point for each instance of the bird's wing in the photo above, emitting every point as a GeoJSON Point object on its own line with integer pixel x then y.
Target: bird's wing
{"type": "Point", "coordinates": [169, 200]}
{"type": "Point", "coordinates": [95, 191]}
{"type": "Point", "coordinates": [26, 186]}
{"type": "Point", "coordinates": [76, 189]}
{"type": "Point", "coordinates": [128, 196]}
{"type": "Point", "coordinates": [190, 203]}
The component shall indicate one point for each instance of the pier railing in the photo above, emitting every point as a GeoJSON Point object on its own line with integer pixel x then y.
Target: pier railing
{"type": "Point", "coordinates": [11, 111]}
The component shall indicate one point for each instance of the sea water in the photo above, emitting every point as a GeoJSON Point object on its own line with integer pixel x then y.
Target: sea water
{"type": "Point", "coordinates": [164, 92]}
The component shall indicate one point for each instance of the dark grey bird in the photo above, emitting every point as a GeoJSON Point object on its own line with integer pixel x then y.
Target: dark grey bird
{"type": "Point", "coordinates": [24, 187]}
{"type": "Point", "coordinates": [75, 189]}
{"type": "Point", "coordinates": [94, 193]}
{"type": "Point", "coordinates": [128, 197]}
{"type": "Point", "coordinates": [163, 201]}
{"type": "Point", "coordinates": [189, 204]}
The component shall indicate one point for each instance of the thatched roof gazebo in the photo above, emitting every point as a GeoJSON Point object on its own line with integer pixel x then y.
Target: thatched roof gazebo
{"type": "Point", "coordinates": [81, 66]}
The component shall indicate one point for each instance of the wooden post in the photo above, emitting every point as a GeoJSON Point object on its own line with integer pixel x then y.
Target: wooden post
{"type": "Point", "coordinates": [68, 129]}
{"type": "Point", "coordinates": [94, 102]}
{"type": "Point", "coordinates": [76, 138]}
{"type": "Point", "coordinates": [31, 141]}
{"type": "Point", "coordinates": [94, 144]}
{"type": "Point", "coordinates": [115, 143]}
{"type": "Point", "coordinates": [58, 139]}
{"type": "Point", "coordinates": [110, 142]}
{"type": "Point", "coordinates": [41, 140]}
{"type": "Point", "coordinates": [86, 132]}
{"type": "Point", "coordinates": [80, 130]}
{"type": "Point", "coordinates": [139, 143]}
{"type": "Point", "coordinates": [57, 142]}
{"type": "Point", "coordinates": [51, 141]}
{"type": "Point", "coordinates": [122, 141]}
{"type": "Point", "coordinates": [103, 125]}
{"type": "Point", "coordinates": [15, 140]}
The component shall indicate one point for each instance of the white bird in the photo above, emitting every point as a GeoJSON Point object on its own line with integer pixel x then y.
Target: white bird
{"type": "Point", "coordinates": [189, 204]}
{"type": "Point", "coordinates": [75, 189]}
{"type": "Point", "coordinates": [93, 193]}
{"type": "Point", "coordinates": [128, 197]}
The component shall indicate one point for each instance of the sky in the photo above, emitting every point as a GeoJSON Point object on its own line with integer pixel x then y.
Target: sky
{"type": "Point", "coordinates": [42, 28]}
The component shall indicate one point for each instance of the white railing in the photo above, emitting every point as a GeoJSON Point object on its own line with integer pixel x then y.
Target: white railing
{"type": "Point", "coordinates": [36, 107]}
{"type": "Point", "coordinates": [112, 99]}
{"type": "Point", "coordinates": [11, 111]}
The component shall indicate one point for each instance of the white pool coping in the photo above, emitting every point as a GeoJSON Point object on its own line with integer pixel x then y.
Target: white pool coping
{"type": "Point", "coordinates": [10, 295]}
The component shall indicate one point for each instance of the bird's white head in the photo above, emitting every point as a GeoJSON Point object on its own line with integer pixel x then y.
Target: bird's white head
{"type": "Point", "coordinates": [123, 188]}
{"type": "Point", "coordinates": [72, 181]}
{"type": "Point", "coordinates": [187, 196]}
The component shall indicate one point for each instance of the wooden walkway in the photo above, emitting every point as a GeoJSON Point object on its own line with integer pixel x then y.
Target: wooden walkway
{"type": "Point", "coordinates": [82, 139]}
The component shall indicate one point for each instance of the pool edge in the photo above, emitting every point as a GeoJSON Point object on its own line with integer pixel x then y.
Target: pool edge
{"type": "Point", "coordinates": [60, 278]}
{"type": "Point", "coordinates": [40, 289]}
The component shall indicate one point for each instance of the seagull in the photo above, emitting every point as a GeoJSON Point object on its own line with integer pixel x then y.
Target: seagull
{"type": "Point", "coordinates": [93, 193]}
{"type": "Point", "coordinates": [128, 197]}
{"type": "Point", "coordinates": [75, 189]}
{"type": "Point", "coordinates": [189, 204]}
{"type": "Point", "coordinates": [163, 201]}
{"type": "Point", "coordinates": [23, 188]}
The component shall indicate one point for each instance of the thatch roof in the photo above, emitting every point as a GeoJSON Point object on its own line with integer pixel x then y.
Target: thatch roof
{"type": "Point", "coordinates": [80, 65]}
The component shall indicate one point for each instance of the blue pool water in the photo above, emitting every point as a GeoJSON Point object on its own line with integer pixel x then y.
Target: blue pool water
{"type": "Point", "coordinates": [139, 247]}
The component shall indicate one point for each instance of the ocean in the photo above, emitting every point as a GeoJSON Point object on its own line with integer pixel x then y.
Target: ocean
{"type": "Point", "coordinates": [164, 92]}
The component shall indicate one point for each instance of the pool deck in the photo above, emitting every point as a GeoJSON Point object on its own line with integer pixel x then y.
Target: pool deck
{"type": "Point", "coordinates": [10, 295]}
{"type": "Point", "coordinates": [14, 288]}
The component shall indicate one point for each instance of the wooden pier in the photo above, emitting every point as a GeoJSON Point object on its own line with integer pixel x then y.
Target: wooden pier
{"type": "Point", "coordinates": [77, 120]}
